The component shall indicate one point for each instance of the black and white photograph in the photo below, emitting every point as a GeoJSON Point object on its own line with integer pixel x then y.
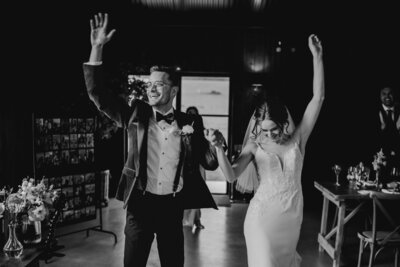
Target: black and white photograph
{"type": "Point", "coordinates": [197, 133]}
{"type": "Point", "coordinates": [68, 191]}
{"type": "Point", "coordinates": [64, 126]}
{"type": "Point", "coordinates": [39, 126]}
{"type": "Point", "coordinates": [74, 156]}
{"type": "Point", "coordinates": [90, 178]}
{"type": "Point", "coordinates": [81, 125]}
{"type": "Point", "coordinates": [79, 179]}
{"type": "Point", "coordinates": [56, 125]}
{"type": "Point", "coordinates": [57, 142]}
{"type": "Point", "coordinates": [65, 141]}
{"type": "Point", "coordinates": [65, 160]}
{"type": "Point", "coordinates": [48, 126]}
{"type": "Point", "coordinates": [73, 125]}
{"type": "Point", "coordinates": [89, 140]}
{"type": "Point", "coordinates": [73, 143]}
{"type": "Point", "coordinates": [48, 142]}
{"type": "Point", "coordinates": [67, 181]}
{"type": "Point", "coordinates": [81, 140]}
{"type": "Point", "coordinates": [90, 124]}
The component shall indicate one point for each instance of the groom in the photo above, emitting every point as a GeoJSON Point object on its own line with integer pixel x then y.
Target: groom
{"type": "Point", "coordinates": [161, 175]}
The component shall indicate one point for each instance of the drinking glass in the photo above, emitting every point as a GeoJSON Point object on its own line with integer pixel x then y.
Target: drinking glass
{"type": "Point", "coordinates": [337, 169]}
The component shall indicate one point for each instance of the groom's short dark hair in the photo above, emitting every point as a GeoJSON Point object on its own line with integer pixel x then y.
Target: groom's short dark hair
{"type": "Point", "coordinates": [171, 71]}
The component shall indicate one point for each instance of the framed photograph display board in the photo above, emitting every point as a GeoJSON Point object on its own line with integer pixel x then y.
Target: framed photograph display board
{"type": "Point", "coordinates": [64, 154]}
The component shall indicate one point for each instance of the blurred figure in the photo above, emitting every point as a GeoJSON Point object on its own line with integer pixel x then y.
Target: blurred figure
{"type": "Point", "coordinates": [191, 217]}
{"type": "Point", "coordinates": [389, 127]}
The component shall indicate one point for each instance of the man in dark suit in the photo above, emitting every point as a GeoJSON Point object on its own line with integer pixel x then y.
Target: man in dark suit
{"type": "Point", "coordinates": [389, 126]}
{"type": "Point", "coordinates": [161, 175]}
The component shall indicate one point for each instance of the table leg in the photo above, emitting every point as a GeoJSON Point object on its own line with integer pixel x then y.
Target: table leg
{"type": "Point", "coordinates": [339, 234]}
{"type": "Point", "coordinates": [324, 220]}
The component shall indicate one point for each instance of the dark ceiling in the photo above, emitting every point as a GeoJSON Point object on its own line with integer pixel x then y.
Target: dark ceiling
{"type": "Point", "coordinates": [47, 40]}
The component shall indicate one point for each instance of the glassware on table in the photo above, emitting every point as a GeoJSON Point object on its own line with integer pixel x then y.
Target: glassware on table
{"type": "Point", "coordinates": [337, 169]}
{"type": "Point", "coordinates": [366, 173]}
{"type": "Point", "coordinates": [13, 248]}
{"type": "Point", "coordinates": [395, 173]}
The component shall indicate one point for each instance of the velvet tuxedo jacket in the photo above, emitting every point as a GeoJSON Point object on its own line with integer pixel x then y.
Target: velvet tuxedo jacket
{"type": "Point", "coordinates": [195, 149]}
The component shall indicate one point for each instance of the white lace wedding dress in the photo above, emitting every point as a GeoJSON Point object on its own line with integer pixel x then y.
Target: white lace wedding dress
{"type": "Point", "coordinates": [274, 217]}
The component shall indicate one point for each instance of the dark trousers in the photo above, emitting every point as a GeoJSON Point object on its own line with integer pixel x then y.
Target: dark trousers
{"type": "Point", "coordinates": [152, 215]}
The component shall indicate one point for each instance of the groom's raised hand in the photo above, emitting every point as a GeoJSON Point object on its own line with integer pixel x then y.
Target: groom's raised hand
{"type": "Point", "coordinates": [98, 26]}
{"type": "Point", "coordinates": [215, 137]}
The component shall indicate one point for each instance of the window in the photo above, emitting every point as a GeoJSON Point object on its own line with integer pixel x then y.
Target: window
{"type": "Point", "coordinates": [210, 95]}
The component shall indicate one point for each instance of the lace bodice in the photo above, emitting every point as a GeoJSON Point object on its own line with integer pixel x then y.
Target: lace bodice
{"type": "Point", "coordinates": [279, 168]}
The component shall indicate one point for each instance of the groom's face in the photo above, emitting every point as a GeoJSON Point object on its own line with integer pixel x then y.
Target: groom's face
{"type": "Point", "coordinates": [160, 91]}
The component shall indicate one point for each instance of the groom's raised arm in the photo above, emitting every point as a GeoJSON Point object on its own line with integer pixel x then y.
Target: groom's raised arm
{"type": "Point", "coordinates": [114, 106]}
{"type": "Point", "coordinates": [105, 100]}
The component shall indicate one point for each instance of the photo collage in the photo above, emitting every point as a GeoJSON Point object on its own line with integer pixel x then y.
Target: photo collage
{"type": "Point", "coordinates": [64, 150]}
{"type": "Point", "coordinates": [80, 193]}
{"type": "Point", "coordinates": [61, 142]}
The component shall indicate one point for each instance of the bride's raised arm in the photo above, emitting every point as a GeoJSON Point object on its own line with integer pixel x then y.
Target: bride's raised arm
{"type": "Point", "coordinates": [314, 106]}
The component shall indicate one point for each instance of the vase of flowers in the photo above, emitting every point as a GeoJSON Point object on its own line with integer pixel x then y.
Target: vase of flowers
{"type": "Point", "coordinates": [28, 205]}
{"type": "Point", "coordinates": [378, 164]}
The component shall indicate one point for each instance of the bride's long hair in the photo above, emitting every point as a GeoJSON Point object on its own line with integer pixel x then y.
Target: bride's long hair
{"type": "Point", "coordinates": [273, 109]}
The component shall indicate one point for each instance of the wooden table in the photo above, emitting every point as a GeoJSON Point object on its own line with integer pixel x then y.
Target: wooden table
{"type": "Point", "coordinates": [339, 196]}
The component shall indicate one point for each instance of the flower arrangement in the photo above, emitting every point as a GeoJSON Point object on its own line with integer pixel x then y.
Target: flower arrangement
{"type": "Point", "coordinates": [31, 199]}
{"type": "Point", "coordinates": [379, 160]}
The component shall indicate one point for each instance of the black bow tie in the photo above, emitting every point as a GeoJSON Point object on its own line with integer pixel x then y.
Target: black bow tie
{"type": "Point", "coordinates": [169, 118]}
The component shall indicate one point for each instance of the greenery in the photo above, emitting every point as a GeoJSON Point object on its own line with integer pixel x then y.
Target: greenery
{"type": "Point", "coordinates": [129, 87]}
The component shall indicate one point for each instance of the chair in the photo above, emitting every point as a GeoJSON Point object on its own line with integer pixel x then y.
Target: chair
{"type": "Point", "coordinates": [378, 238]}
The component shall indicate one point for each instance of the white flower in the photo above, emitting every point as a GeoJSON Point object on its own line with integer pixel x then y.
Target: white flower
{"type": "Point", "coordinates": [187, 129]}
{"type": "Point", "coordinates": [379, 160]}
{"type": "Point", "coordinates": [37, 213]}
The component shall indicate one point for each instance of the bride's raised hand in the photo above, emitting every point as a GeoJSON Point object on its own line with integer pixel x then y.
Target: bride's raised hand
{"type": "Point", "coordinates": [314, 43]}
{"type": "Point", "coordinates": [98, 33]}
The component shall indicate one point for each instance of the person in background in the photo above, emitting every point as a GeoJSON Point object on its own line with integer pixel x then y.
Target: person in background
{"type": "Point", "coordinates": [191, 217]}
{"type": "Point", "coordinates": [389, 127]}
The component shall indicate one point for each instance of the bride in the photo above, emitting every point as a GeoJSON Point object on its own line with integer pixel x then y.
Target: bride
{"type": "Point", "coordinates": [274, 157]}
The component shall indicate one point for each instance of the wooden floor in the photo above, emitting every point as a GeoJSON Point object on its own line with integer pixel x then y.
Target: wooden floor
{"type": "Point", "coordinates": [220, 244]}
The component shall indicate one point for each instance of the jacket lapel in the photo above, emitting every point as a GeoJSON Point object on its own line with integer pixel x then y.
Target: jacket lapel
{"type": "Point", "coordinates": [142, 132]}
{"type": "Point", "coordinates": [185, 140]}
{"type": "Point", "coordinates": [140, 135]}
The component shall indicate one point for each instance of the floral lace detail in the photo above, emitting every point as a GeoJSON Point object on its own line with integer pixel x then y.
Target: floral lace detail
{"type": "Point", "coordinates": [280, 179]}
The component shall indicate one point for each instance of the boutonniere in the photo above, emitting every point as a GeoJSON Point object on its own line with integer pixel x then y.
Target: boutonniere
{"type": "Point", "coordinates": [187, 129]}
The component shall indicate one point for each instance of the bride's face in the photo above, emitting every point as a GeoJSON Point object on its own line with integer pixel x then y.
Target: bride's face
{"type": "Point", "coordinates": [271, 130]}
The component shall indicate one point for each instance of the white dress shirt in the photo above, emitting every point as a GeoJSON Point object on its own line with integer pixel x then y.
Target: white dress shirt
{"type": "Point", "coordinates": [386, 109]}
{"type": "Point", "coordinates": [163, 150]}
